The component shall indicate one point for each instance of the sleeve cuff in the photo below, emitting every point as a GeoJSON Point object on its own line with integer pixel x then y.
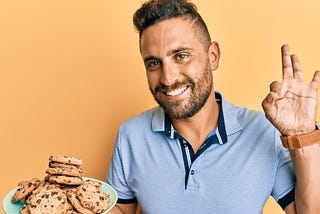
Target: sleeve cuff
{"type": "Point", "coordinates": [127, 201]}
{"type": "Point", "coordinates": [286, 200]}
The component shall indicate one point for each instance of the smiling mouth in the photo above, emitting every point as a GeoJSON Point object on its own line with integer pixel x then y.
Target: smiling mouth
{"type": "Point", "coordinates": [176, 92]}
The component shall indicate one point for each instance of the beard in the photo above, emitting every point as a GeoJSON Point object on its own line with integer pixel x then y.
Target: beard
{"type": "Point", "coordinates": [179, 109]}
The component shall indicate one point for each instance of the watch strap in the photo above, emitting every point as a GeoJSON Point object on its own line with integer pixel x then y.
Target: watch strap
{"type": "Point", "coordinates": [299, 141]}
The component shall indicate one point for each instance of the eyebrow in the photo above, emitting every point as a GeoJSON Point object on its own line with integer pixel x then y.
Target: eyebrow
{"type": "Point", "coordinates": [150, 58]}
{"type": "Point", "coordinates": [175, 51]}
{"type": "Point", "coordinates": [179, 50]}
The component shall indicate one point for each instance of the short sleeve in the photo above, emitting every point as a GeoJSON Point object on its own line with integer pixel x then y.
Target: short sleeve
{"type": "Point", "coordinates": [285, 180]}
{"type": "Point", "coordinates": [116, 174]}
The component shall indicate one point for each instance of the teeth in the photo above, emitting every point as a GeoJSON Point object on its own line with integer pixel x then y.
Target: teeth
{"type": "Point", "coordinates": [176, 92]}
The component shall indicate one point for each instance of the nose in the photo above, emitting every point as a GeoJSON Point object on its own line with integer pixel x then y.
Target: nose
{"type": "Point", "coordinates": [169, 74]}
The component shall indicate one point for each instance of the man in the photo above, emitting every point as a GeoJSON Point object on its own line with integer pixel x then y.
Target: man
{"type": "Point", "coordinates": [198, 153]}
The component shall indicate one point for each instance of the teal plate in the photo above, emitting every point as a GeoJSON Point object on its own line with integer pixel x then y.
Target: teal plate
{"type": "Point", "coordinates": [14, 208]}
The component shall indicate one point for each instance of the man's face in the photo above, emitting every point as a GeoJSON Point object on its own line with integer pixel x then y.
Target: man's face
{"type": "Point", "coordinates": [178, 66]}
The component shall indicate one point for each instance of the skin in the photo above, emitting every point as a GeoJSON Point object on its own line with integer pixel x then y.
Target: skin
{"type": "Point", "coordinates": [170, 59]}
{"type": "Point", "coordinates": [176, 62]}
{"type": "Point", "coordinates": [291, 107]}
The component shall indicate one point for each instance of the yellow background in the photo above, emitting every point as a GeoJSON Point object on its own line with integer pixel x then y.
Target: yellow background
{"type": "Point", "coordinates": [70, 72]}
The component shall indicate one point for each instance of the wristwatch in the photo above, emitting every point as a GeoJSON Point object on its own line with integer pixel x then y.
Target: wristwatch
{"type": "Point", "coordinates": [299, 141]}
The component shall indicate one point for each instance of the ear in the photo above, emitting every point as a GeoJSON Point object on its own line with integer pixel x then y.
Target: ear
{"type": "Point", "coordinates": [214, 55]}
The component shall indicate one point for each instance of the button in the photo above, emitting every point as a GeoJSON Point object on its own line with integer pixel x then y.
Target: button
{"type": "Point", "coordinates": [192, 172]}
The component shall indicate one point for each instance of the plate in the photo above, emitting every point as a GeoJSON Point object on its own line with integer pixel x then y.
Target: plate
{"type": "Point", "coordinates": [14, 208]}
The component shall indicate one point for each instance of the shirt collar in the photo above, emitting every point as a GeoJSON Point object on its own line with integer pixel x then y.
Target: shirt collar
{"type": "Point", "coordinates": [227, 122]}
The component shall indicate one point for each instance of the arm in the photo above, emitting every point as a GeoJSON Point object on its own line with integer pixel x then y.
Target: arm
{"type": "Point", "coordinates": [307, 196]}
{"type": "Point", "coordinates": [124, 209]}
{"type": "Point", "coordinates": [117, 179]}
{"type": "Point", "coordinates": [306, 163]}
{"type": "Point", "coordinates": [291, 107]}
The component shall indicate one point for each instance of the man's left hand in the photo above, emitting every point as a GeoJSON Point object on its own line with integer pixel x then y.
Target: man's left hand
{"type": "Point", "coordinates": [292, 104]}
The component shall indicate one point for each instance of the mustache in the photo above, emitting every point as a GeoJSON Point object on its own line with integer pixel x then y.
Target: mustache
{"type": "Point", "coordinates": [161, 87]}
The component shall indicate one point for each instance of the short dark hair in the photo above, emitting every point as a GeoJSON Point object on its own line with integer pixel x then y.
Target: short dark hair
{"type": "Point", "coordinates": [155, 11]}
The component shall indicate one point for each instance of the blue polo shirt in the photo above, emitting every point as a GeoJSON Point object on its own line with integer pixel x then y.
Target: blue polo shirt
{"type": "Point", "coordinates": [240, 164]}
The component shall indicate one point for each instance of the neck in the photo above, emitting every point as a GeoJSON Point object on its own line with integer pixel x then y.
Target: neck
{"type": "Point", "coordinates": [195, 129]}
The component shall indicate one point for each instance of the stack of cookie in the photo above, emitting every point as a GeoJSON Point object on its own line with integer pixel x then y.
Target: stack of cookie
{"type": "Point", "coordinates": [63, 191]}
{"type": "Point", "coordinates": [64, 170]}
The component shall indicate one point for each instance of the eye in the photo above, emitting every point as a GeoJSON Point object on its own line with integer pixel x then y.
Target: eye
{"type": "Point", "coordinates": [153, 65]}
{"type": "Point", "coordinates": [181, 56]}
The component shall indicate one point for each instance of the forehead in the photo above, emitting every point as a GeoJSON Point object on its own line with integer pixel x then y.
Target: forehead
{"type": "Point", "coordinates": [168, 35]}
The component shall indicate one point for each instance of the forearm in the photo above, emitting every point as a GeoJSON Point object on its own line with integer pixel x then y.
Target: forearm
{"type": "Point", "coordinates": [123, 209]}
{"type": "Point", "coordinates": [116, 210]}
{"type": "Point", "coordinates": [306, 162]}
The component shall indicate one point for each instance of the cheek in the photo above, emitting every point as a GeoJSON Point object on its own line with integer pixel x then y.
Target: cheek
{"type": "Point", "coordinates": [192, 69]}
{"type": "Point", "coordinates": [153, 79]}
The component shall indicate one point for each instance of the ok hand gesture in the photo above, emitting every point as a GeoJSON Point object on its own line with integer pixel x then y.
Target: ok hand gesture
{"type": "Point", "coordinates": [291, 105]}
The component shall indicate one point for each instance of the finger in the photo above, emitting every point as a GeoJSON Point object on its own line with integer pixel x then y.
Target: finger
{"type": "Point", "coordinates": [278, 89]}
{"type": "Point", "coordinates": [268, 105]}
{"type": "Point", "coordinates": [275, 86]}
{"type": "Point", "coordinates": [270, 99]}
{"type": "Point", "coordinates": [287, 71]}
{"type": "Point", "coordinates": [315, 82]}
{"type": "Point", "coordinates": [297, 72]}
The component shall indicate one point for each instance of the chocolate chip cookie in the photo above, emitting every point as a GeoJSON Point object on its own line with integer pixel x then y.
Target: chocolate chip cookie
{"type": "Point", "coordinates": [63, 179]}
{"type": "Point", "coordinates": [65, 159]}
{"type": "Point", "coordinates": [92, 197]}
{"type": "Point", "coordinates": [72, 197]}
{"type": "Point", "coordinates": [63, 171]}
{"type": "Point", "coordinates": [48, 199]}
{"type": "Point", "coordinates": [25, 188]}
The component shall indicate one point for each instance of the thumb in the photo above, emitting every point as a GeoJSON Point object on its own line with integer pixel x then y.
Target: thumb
{"type": "Point", "coordinates": [268, 105]}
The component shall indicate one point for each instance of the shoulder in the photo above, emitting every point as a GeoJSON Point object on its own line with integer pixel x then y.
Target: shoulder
{"type": "Point", "coordinates": [142, 118]}
{"type": "Point", "coordinates": [249, 115]}
{"type": "Point", "coordinates": [233, 112]}
{"type": "Point", "coordinates": [243, 117]}
{"type": "Point", "coordinates": [255, 121]}
{"type": "Point", "coordinates": [144, 121]}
